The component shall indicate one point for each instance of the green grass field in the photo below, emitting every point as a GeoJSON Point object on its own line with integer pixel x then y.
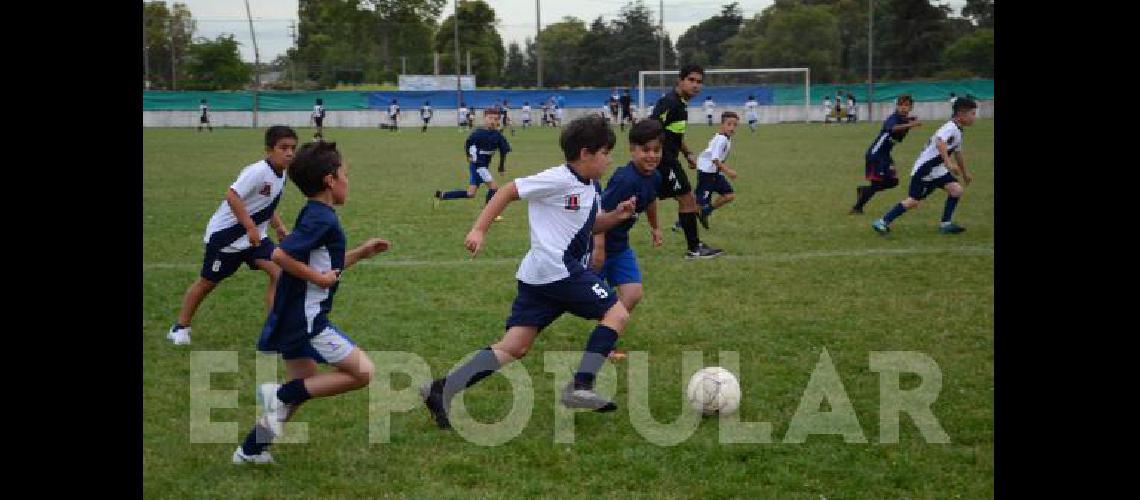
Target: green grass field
{"type": "Point", "coordinates": [801, 276]}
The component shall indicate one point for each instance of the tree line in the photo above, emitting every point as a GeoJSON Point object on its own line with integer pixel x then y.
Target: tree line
{"type": "Point", "coordinates": [373, 41]}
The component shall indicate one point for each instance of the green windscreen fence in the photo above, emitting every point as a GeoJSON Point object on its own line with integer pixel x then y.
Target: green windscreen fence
{"type": "Point", "coordinates": [782, 94]}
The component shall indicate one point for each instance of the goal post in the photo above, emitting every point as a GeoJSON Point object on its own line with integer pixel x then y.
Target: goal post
{"type": "Point", "coordinates": [643, 110]}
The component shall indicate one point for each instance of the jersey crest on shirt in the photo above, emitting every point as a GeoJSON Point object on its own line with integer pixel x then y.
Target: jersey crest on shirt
{"type": "Point", "coordinates": [572, 202]}
{"type": "Point", "coordinates": [266, 189]}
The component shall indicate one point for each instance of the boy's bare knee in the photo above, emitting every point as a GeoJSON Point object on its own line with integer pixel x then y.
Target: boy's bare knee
{"type": "Point", "coordinates": [910, 203]}
{"type": "Point", "coordinates": [729, 197]}
{"type": "Point", "coordinates": [364, 375]}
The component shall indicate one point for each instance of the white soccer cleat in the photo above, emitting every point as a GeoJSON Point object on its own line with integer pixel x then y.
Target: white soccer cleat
{"type": "Point", "coordinates": [261, 458]}
{"type": "Point", "coordinates": [273, 411]}
{"type": "Point", "coordinates": [180, 336]}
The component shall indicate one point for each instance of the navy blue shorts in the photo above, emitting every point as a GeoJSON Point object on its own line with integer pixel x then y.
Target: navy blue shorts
{"type": "Point", "coordinates": [879, 169]}
{"type": "Point", "coordinates": [479, 175]}
{"type": "Point", "coordinates": [920, 189]}
{"type": "Point", "coordinates": [328, 347]}
{"type": "Point", "coordinates": [218, 265]}
{"type": "Point", "coordinates": [711, 183]}
{"type": "Point", "coordinates": [621, 268]}
{"type": "Point", "coordinates": [583, 295]}
{"type": "Point", "coordinates": [320, 121]}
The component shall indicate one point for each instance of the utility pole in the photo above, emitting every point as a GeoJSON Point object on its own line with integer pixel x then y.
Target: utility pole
{"type": "Point", "coordinates": [468, 61]}
{"type": "Point", "coordinates": [256, 63]}
{"type": "Point", "coordinates": [292, 63]}
{"type": "Point", "coordinates": [173, 63]}
{"type": "Point", "coordinates": [537, 46]}
{"type": "Point", "coordinates": [661, 43]}
{"type": "Point", "coordinates": [870, 75]}
{"type": "Point", "coordinates": [458, 86]}
{"type": "Point", "coordinates": [403, 65]}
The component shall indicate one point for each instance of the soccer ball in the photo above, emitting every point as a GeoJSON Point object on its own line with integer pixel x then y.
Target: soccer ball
{"type": "Point", "coordinates": [714, 390]}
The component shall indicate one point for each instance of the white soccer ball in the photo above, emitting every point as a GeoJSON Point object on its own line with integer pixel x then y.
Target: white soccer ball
{"type": "Point", "coordinates": [714, 391]}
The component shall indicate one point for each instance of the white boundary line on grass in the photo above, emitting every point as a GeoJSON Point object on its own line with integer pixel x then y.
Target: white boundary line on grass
{"type": "Point", "coordinates": [381, 262]}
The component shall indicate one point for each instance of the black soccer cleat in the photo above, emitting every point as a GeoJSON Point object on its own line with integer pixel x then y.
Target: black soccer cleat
{"type": "Point", "coordinates": [432, 393]}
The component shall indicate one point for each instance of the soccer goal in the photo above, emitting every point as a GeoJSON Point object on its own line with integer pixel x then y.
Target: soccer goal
{"type": "Point", "coordinates": [730, 89]}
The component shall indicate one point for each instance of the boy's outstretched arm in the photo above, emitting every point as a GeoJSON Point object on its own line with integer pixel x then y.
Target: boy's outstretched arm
{"type": "Point", "coordinates": [303, 271]}
{"type": "Point", "coordinates": [723, 167]}
{"type": "Point", "coordinates": [623, 211]}
{"type": "Point", "coordinates": [279, 226]}
{"type": "Point", "coordinates": [365, 251]}
{"type": "Point", "coordinates": [654, 229]}
{"type": "Point", "coordinates": [494, 208]}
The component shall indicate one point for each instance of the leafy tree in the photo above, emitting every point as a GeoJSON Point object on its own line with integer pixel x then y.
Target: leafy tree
{"type": "Point", "coordinates": [981, 12]}
{"type": "Point", "coordinates": [559, 43]}
{"type": "Point", "coordinates": [789, 34]}
{"type": "Point", "coordinates": [515, 72]}
{"type": "Point", "coordinates": [701, 44]}
{"type": "Point", "coordinates": [216, 65]}
{"type": "Point", "coordinates": [163, 29]}
{"type": "Point", "coordinates": [478, 35]}
{"type": "Point", "coordinates": [973, 52]}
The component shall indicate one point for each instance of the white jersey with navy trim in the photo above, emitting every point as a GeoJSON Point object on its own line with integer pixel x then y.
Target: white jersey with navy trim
{"type": "Point", "coordinates": [259, 188]}
{"type": "Point", "coordinates": [929, 160]}
{"type": "Point", "coordinates": [717, 150]}
{"type": "Point", "coordinates": [709, 107]}
{"type": "Point", "coordinates": [750, 108]}
{"type": "Point", "coordinates": [526, 112]}
{"type": "Point", "coordinates": [318, 111]}
{"type": "Point", "coordinates": [562, 208]}
{"type": "Point", "coordinates": [425, 112]}
{"type": "Point", "coordinates": [203, 110]}
{"type": "Point", "coordinates": [393, 109]}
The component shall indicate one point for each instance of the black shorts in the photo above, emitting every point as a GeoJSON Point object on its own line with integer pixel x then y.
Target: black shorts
{"type": "Point", "coordinates": [203, 119]}
{"type": "Point", "coordinates": [920, 189]}
{"type": "Point", "coordinates": [674, 180]}
{"type": "Point", "coordinates": [711, 183]}
{"type": "Point", "coordinates": [319, 121]}
{"type": "Point", "coordinates": [218, 265]}
{"type": "Point", "coordinates": [625, 114]}
{"type": "Point", "coordinates": [426, 120]}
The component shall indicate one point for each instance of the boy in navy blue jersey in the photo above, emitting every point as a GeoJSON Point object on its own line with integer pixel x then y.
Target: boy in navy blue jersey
{"type": "Point", "coordinates": [237, 232]}
{"type": "Point", "coordinates": [313, 258]}
{"type": "Point", "coordinates": [554, 277]}
{"type": "Point", "coordinates": [480, 146]}
{"type": "Point", "coordinates": [880, 169]}
{"type": "Point", "coordinates": [613, 258]}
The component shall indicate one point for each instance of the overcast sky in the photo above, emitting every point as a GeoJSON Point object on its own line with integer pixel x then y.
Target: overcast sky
{"type": "Point", "coordinates": [516, 17]}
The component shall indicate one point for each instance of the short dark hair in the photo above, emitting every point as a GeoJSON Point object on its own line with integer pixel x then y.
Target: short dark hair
{"type": "Point", "coordinates": [591, 132]}
{"type": "Point", "coordinates": [313, 162]}
{"type": "Point", "coordinates": [963, 104]}
{"type": "Point", "coordinates": [644, 131]}
{"type": "Point", "coordinates": [491, 110]}
{"type": "Point", "coordinates": [728, 114]}
{"type": "Point", "coordinates": [320, 101]}
{"type": "Point", "coordinates": [276, 133]}
{"type": "Point", "coordinates": [904, 97]}
{"type": "Point", "coordinates": [690, 68]}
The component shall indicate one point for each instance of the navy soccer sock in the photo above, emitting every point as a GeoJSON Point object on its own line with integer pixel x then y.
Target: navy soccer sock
{"type": "Point", "coordinates": [948, 211]}
{"type": "Point", "coordinates": [490, 193]}
{"type": "Point", "coordinates": [293, 392]}
{"type": "Point", "coordinates": [451, 195]}
{"type": "Point", "coordinates": [478, 368]}
{"type": "Point", "coordinates": [689, 225]}
{"type": "Point", "coordinates": [601, 343]}
{"type": "Point", "coordinates": [865, 194]}
{"type": "Point", "coordinates": [895, 212]}
{"type": "Point", "coordinates": [257, 440]}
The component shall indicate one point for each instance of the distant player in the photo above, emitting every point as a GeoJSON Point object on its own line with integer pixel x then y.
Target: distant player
{"type": "Point", "coordinates": [935, 169]}
{"type": "Point", "coordinates": [839, 113]}
{"type": "Point", "coordinates": [425, 115]}
{"type": "Point", "coordinates": [879, 168]}
{"type": "Point", "coordinates": [851, 109]}
{"type": "Point", "coordinates": [827, 109]}
{"type": "Point", "coordinates": [505, 112]}
{"type": "Point", "coordinates": [750, 112]}
{"type": "Point", "coordinates": [480, 147]}
{"type": "Point", "coordinates": [318, 118]}
{"type": "Point", "coordinates": [526, 114]}
{"type": "Point", "coordinates": [615, 107]}
{"type": "Point", "coordinates": [298, 328]}
{"type": "Point", "coordinates": [204, 116]}
{"type": "Point", "coordinates": [710, 108]}
{"type": "Point", "coordinates": [712, 169]}
{"type": "Point", "coordinates": [237, 232]}
{"type": "Point", "coordinates": [462, 115]}
{"type": "Point", "coordinates": [393, 116]}
{"type": "Point", "coordinates": [554, 277]}
{"type": "Point", "coordinates": [626, 112]}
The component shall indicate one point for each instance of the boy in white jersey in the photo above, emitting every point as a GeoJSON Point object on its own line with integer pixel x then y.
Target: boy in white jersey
{"type": "Point", "coordinates": [554, 277]}
{"type": "Point", "coordinates": [934, 169]}
{"type": "Point", "coordinates": [526, 114]}
{"type": "Point", "coordinates": [839, 106]}
{"type": "Point", "coordinates": [712, 170]}
{"type": "Point", "coordinates": [462, 115]}
{"type": "Point", "coordinates": [710, 106]}
{"type": "Point", "coordinates": [236, 233]}
{"type": "Point", "coordinates": [393, 116]}
{"type": "Point", "coordinates": [750, 112]}
{"type": "Point", "coordinates": [319, 118]}
{"type": "Point", "coordinates": [425, 114]}
{"type": "Point", "coordinates": [827, 109]}
{"type": "Point", "coordinates": [204, 116]}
